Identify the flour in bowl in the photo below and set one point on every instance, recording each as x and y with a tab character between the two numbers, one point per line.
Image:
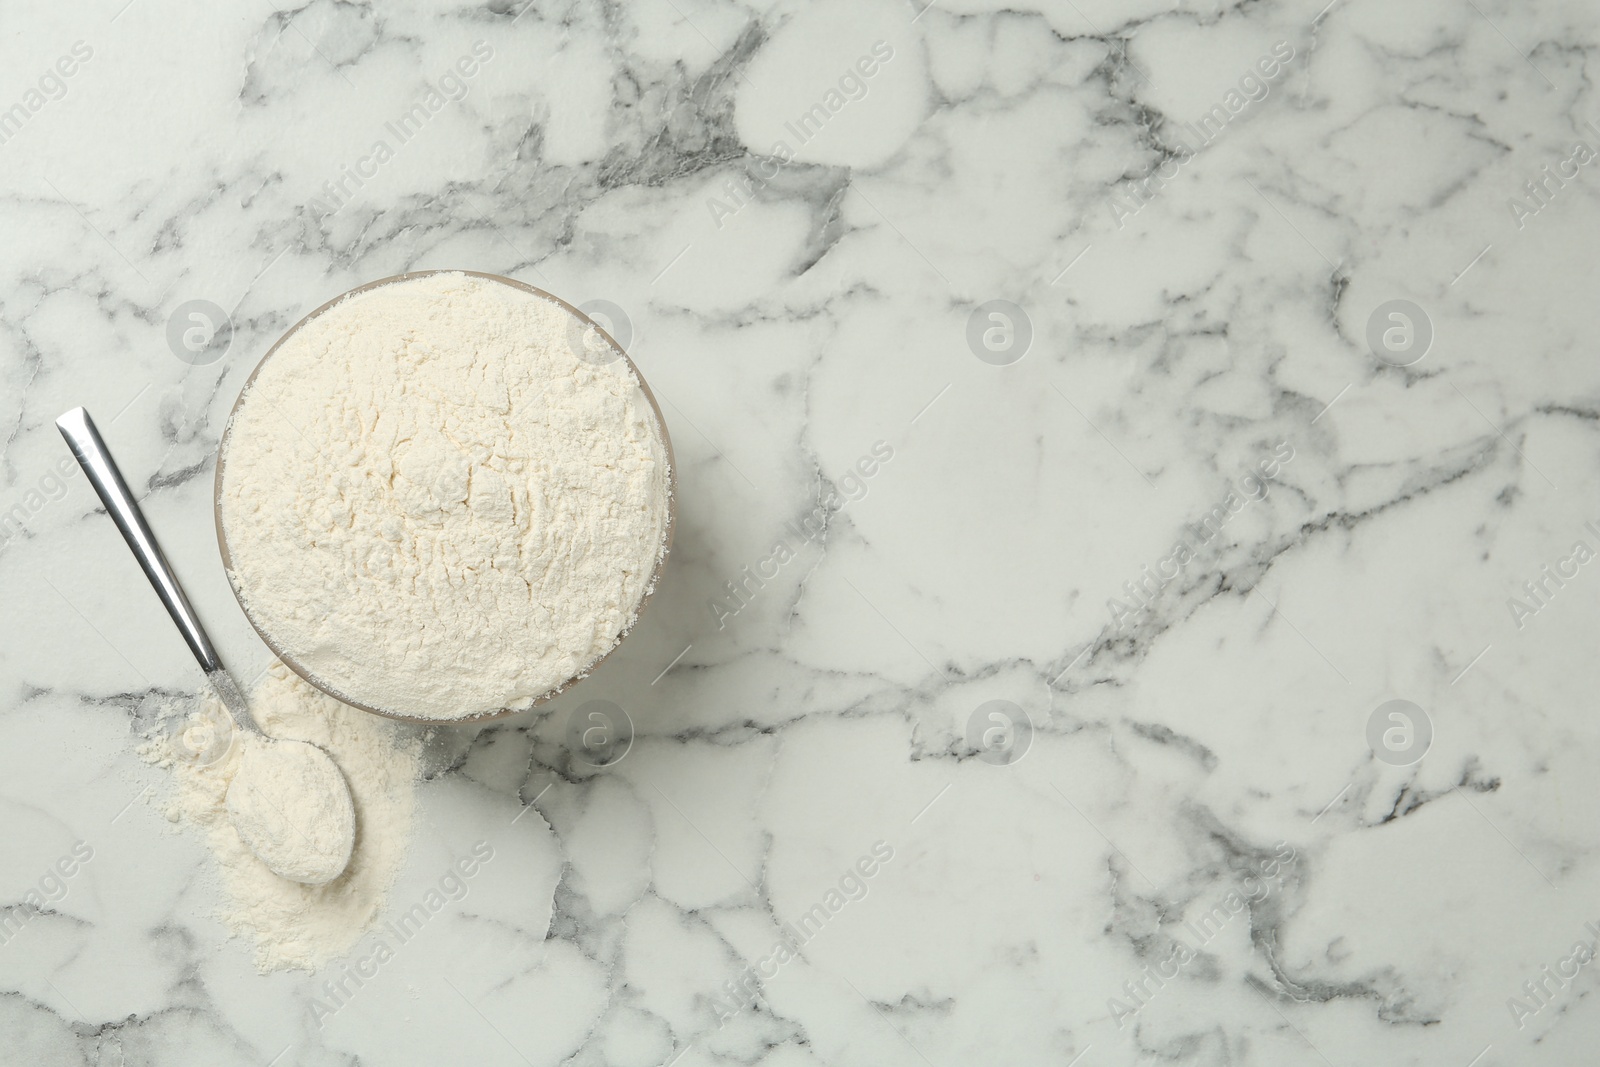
439	506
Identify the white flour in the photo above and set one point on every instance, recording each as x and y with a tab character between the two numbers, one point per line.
435	506
295	925
291	806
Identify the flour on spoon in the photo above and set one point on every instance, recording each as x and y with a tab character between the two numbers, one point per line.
291	807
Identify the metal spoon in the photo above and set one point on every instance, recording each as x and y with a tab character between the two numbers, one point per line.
311	855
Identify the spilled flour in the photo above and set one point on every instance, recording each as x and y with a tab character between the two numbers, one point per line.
294	925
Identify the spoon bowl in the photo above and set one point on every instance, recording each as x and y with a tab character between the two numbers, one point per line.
292	808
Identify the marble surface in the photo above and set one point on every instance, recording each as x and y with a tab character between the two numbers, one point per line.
1040	652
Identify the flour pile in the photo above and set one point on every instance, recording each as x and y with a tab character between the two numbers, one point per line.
440	506
295	925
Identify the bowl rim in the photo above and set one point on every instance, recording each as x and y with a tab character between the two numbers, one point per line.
333	691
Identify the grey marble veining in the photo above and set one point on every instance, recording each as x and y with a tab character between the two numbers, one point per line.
1135	582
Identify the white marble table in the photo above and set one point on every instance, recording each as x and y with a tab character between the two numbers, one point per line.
1288	411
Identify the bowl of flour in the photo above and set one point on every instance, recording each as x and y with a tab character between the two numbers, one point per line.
444	496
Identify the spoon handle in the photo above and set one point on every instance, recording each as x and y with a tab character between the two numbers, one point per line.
92	455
